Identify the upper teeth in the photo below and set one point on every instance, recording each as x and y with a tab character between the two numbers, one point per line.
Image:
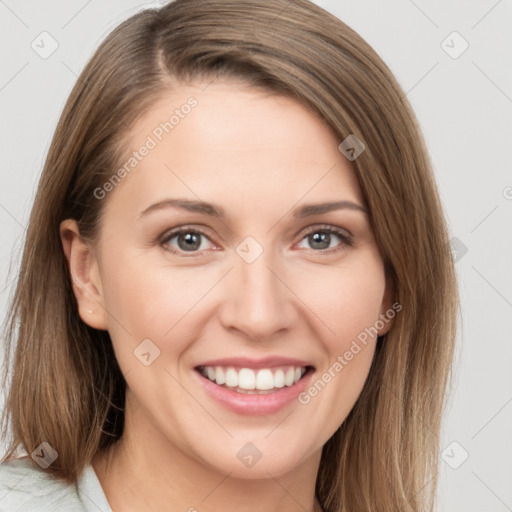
247	378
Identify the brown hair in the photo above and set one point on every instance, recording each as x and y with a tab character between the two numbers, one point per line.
67	388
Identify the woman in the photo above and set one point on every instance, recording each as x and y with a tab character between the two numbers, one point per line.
184	343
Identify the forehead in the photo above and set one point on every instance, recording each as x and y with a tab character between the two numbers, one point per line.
231	144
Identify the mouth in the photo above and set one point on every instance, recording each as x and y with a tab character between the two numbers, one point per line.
254	387
254	381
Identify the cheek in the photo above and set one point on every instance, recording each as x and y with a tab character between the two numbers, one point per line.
148	301
347	299
138	293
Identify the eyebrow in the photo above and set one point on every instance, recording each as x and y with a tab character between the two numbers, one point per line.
212	210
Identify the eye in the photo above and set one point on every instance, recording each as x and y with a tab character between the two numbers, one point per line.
321	237
188	240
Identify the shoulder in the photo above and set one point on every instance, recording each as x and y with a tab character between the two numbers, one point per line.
26	487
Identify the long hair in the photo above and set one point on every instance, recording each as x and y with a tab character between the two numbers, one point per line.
66	387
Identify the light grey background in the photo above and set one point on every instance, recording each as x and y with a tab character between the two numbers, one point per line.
464	106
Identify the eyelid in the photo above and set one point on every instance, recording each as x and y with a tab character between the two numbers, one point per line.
326	227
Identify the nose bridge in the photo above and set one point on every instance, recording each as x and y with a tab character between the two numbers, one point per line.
257	283
260	302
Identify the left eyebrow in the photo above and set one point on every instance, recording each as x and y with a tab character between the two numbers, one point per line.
308	210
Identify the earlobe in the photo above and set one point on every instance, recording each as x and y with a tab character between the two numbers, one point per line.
84	275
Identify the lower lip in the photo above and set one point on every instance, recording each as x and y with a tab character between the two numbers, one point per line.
258	405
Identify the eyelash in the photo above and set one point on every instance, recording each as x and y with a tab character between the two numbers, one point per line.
346	240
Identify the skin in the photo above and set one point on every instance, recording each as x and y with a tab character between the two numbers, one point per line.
258	155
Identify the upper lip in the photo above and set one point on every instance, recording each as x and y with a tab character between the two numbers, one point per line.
247	362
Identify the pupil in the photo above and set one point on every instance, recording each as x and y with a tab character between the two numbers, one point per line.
192	241
322	238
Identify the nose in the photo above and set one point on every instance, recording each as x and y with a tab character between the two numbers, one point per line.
258	301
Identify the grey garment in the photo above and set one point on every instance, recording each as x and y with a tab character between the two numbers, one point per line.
26	487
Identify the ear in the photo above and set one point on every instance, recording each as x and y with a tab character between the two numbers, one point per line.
84	274
389	308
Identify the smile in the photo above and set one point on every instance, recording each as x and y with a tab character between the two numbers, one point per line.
254	386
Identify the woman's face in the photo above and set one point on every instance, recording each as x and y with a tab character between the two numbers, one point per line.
258	288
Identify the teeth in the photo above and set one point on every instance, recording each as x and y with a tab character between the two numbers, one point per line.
279	379
289	376
231	377
265	380
247	380
219	376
